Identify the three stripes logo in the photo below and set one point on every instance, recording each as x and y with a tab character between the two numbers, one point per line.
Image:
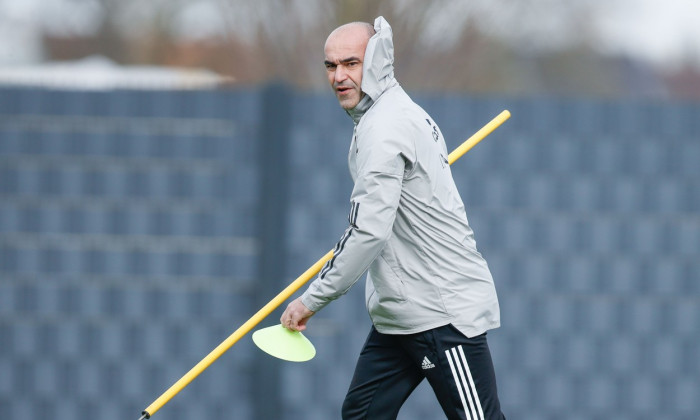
352	219
465	383
352	216
427	364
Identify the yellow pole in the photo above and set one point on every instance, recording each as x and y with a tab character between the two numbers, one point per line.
478	136
291	289
237	335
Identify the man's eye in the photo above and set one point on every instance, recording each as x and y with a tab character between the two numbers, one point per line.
352	64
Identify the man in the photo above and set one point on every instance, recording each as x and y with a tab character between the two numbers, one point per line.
429	292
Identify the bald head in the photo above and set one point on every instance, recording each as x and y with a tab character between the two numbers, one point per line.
357	30
345	53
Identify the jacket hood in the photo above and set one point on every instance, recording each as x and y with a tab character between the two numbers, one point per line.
378	66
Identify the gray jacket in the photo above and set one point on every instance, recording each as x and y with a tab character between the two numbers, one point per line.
407	225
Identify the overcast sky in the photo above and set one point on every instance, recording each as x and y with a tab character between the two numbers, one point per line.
664	31
661	30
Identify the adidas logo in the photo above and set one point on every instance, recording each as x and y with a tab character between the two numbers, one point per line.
427	364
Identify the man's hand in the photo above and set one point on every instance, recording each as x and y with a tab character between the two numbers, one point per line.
296	315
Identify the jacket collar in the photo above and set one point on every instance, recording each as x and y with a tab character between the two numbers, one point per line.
360	109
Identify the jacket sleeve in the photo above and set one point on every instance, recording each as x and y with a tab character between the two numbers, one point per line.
374	201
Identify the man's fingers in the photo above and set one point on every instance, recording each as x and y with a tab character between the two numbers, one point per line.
294	325
287	320
301	325
295	316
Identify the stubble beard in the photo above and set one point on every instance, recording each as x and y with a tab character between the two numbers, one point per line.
349	100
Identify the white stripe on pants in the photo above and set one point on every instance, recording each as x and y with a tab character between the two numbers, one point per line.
465	383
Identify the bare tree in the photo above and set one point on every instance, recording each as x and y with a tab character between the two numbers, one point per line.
449	45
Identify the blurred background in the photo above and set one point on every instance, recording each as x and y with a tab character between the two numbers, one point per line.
168	166
619	48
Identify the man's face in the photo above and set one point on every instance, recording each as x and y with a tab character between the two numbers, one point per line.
345	51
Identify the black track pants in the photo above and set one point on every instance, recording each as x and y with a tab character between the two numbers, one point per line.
390	367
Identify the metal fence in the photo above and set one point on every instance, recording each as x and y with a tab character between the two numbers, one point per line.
139	229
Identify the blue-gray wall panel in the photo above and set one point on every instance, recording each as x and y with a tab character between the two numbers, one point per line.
128	251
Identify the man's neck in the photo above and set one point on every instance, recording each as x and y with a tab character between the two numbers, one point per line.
360	109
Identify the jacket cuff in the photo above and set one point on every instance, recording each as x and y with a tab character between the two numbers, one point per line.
311	302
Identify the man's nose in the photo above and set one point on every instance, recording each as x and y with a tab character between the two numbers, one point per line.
340	74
